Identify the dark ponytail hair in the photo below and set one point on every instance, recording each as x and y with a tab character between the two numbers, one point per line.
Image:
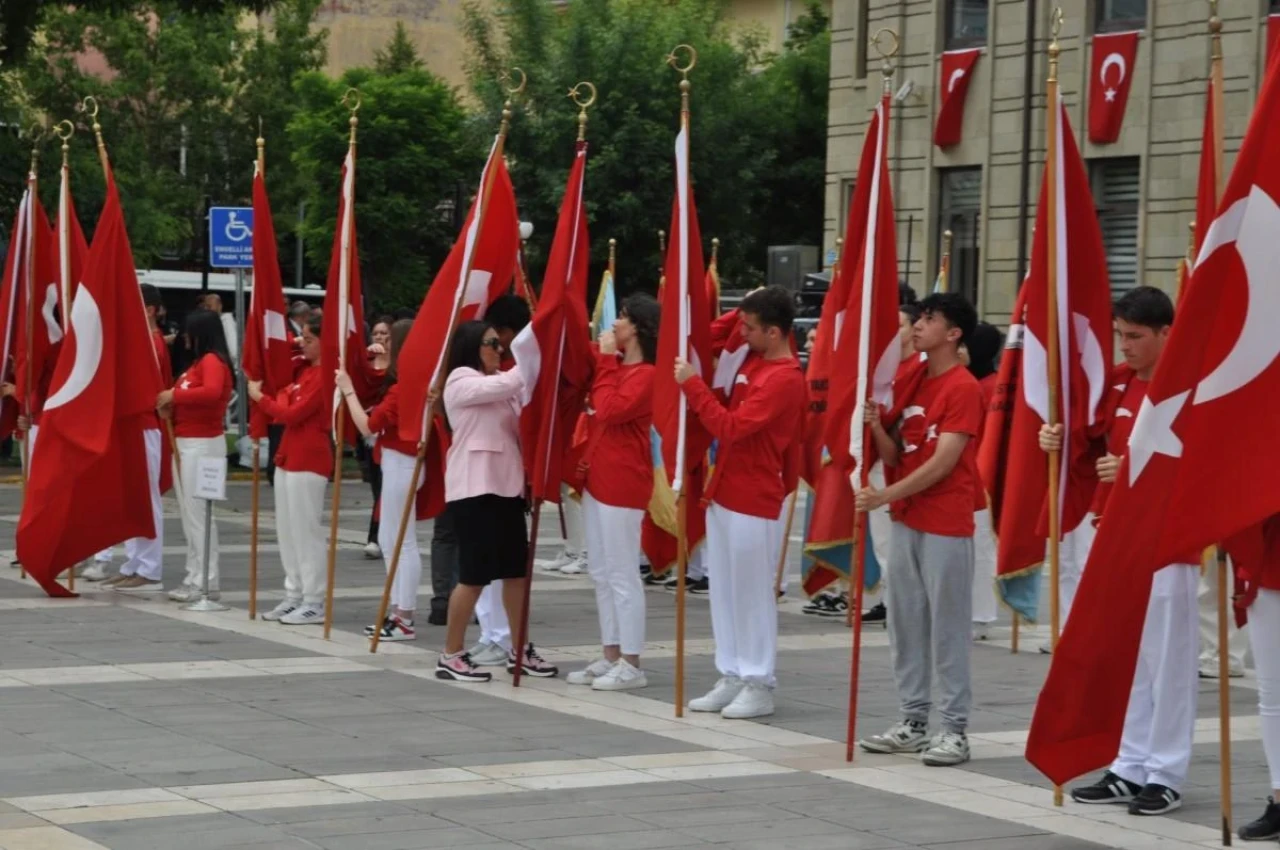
645	314
399	333
206	336
464	350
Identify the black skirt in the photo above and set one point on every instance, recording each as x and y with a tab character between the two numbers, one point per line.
493	542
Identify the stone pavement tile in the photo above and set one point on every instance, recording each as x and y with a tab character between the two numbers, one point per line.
501	757
910	828
195	832
194	774
366	825
329	814
44	838
847	841
646	840
19	820
417	840
600	826
788	830
723	812
1025	842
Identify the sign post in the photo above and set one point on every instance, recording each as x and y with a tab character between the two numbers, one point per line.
211	485
231	247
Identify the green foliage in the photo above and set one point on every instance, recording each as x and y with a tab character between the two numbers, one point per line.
399	54
750	150
412	150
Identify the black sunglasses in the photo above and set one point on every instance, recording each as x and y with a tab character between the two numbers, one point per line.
494	343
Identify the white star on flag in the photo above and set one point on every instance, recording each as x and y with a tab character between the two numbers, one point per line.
1110	94
1153	433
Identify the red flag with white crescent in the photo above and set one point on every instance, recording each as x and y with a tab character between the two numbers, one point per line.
1220	365
1110	78
342	343
957	70
268	356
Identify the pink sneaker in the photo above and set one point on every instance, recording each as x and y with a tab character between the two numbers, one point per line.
534	664
460	669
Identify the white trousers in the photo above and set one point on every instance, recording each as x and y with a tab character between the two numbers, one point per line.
300	533
145	555
397	478
1264	634
613	559
1160	721
495	628
784	541
1237	639
742	555
984	568
1073	553
190	450
697	568
575	542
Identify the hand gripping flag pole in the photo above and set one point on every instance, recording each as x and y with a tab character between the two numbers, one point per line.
486	191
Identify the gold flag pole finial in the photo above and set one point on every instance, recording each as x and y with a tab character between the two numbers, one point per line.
715	251
64	130
1055	50
37	133
947	237
673	60
613	256
262	147
512	93
576	96
90	107
1215	29
887	44
351	100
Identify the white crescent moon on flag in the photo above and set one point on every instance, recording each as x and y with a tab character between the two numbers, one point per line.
86	322
1118	61
1252	223
955	77
46	312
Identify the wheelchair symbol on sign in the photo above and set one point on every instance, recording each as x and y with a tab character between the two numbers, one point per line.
237	231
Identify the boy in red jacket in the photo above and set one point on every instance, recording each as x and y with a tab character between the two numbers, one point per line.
757	465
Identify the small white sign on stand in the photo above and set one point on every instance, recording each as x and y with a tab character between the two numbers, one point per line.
211	485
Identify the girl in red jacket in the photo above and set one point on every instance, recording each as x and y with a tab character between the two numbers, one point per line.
198	405
304	462
619	482
396	458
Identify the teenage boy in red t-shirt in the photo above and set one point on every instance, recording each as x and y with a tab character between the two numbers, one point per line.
1159	726
930	598
757	465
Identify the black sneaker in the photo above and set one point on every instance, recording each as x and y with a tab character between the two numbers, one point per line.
438	618
672	584
877	614
460	669
701	587
835	606
1266	827
534	664
386	624
817	603
1109	789
1155	799
654	580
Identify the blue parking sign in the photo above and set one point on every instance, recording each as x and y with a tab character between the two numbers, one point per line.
231	237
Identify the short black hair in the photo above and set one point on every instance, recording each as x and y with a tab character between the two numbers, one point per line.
774	306
984	347
508	312
906	295
205	334
1146	306
150	295
645	313
910	309
464	350
384	319
955	308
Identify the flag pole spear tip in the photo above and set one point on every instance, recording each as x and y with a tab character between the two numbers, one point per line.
37	133
887	44
715	251
1054	48
576	96
512	92
351	100
1215	27
261	143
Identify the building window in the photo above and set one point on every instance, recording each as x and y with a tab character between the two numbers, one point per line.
966	22
862	40
1119	15
1116	187
959	211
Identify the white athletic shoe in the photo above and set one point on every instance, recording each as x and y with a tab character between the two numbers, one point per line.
719	697
593	671
947	749
186	593
94	571
287	606
565	557
754	700
371	551
574	567
621	677
905	736
304	615
488	655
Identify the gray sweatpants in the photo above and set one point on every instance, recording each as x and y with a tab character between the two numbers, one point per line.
930	610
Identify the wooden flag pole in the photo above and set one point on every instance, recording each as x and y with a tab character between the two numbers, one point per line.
1224	690
682	503
351	99
944	265
257	474
28	285
1052	123
786	540
410	502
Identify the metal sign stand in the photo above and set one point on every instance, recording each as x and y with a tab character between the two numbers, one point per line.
211	485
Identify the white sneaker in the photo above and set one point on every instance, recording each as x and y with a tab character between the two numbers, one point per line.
186	593
304	615
947	749
565	557
725	692
905	736
488	655
979	631
372	551
621	677
574	567
754	700
287	606
95	571
594	671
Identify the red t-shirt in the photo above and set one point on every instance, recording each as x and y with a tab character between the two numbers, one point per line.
1126	400
384	423
303	410
200	398
758	459
987	386
619	461
162	357
950	403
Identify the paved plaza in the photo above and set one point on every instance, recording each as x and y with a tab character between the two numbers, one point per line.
127	723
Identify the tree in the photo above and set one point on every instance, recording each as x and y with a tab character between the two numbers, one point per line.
399	54
739	119
412	148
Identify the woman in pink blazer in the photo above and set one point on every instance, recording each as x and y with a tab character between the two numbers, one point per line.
484	486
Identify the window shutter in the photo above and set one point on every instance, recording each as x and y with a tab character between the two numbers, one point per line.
1118	185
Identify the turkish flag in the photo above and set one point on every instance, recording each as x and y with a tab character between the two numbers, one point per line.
268	356
1273	38
477	270
1220	370
1110	79
43	341
554	349
863	338
13	300
88	485
957	69
342	331
1014	470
